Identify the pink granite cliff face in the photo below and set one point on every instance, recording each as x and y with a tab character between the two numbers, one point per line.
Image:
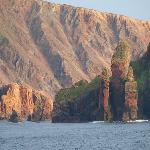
24	103
50	47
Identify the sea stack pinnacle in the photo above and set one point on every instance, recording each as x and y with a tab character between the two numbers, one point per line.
131	96
118	95
119	67
104	97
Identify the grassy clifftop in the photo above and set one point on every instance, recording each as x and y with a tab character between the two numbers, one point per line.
78	103
77	90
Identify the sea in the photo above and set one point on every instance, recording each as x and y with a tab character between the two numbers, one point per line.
75	136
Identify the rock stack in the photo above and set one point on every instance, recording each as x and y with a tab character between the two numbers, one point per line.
121	90
131	97
104	95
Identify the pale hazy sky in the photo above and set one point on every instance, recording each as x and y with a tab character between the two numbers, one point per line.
134	8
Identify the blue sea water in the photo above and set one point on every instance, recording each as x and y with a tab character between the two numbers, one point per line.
74	136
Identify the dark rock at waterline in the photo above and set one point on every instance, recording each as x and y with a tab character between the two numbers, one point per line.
15	117
81	109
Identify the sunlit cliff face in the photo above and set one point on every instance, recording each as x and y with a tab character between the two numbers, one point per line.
53	46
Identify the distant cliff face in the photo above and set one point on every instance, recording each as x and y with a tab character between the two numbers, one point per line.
50	46
19	102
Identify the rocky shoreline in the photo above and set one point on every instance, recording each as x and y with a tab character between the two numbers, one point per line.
19	102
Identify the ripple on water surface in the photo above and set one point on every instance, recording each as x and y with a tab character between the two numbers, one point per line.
77	136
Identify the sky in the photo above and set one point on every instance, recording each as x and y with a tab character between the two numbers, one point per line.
139	9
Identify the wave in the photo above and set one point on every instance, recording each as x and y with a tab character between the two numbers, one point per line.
138	121
98	122
131	121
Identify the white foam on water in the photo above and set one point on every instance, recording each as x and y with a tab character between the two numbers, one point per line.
131	121
98	122
139	121
82	136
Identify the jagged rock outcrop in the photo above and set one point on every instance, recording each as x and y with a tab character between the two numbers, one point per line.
118	94
15	117
18	103
131	98
50	47
119	68
104	96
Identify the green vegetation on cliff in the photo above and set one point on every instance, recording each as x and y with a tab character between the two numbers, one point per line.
77	90
78	103
142	74
122	52
142	70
